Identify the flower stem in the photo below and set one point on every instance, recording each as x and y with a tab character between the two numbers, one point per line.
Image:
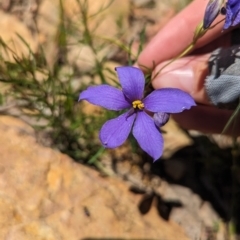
94	158
185	52
199	32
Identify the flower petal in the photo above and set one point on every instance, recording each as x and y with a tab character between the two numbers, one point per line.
236	17
115	131
168	100
148	136
132	81
211	12
229	16
105	96
160	118
232	13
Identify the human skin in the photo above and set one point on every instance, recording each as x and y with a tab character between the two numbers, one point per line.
188	73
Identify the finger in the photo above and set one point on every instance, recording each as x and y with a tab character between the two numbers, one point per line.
178	34
207	119
187	73
223	41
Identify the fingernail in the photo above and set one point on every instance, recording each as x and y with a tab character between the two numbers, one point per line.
179	74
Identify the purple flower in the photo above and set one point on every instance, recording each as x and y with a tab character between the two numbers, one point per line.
160	118
232	13
211	12
115	131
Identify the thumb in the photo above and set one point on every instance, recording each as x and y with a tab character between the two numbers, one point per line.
187	74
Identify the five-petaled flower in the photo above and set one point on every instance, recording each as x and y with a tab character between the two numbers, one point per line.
232	13
115	131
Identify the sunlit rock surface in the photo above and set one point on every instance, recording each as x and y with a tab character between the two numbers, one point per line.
46	195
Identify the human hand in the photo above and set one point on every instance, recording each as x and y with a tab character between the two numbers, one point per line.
189	73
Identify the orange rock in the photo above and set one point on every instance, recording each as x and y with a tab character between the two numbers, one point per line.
46	195
11	29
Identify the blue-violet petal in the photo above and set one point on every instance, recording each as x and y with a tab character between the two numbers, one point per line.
229	16
160	118
147	135
232	13
169	100
211	12
115	131
105	96
132	81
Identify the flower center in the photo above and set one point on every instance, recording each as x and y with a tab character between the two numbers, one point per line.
138	104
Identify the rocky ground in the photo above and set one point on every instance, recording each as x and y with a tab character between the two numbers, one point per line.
46	195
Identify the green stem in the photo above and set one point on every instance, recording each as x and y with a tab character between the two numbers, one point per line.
100	167
117	43
233	117
94	158
185	52
199	32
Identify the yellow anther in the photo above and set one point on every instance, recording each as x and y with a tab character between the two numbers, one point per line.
138	104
